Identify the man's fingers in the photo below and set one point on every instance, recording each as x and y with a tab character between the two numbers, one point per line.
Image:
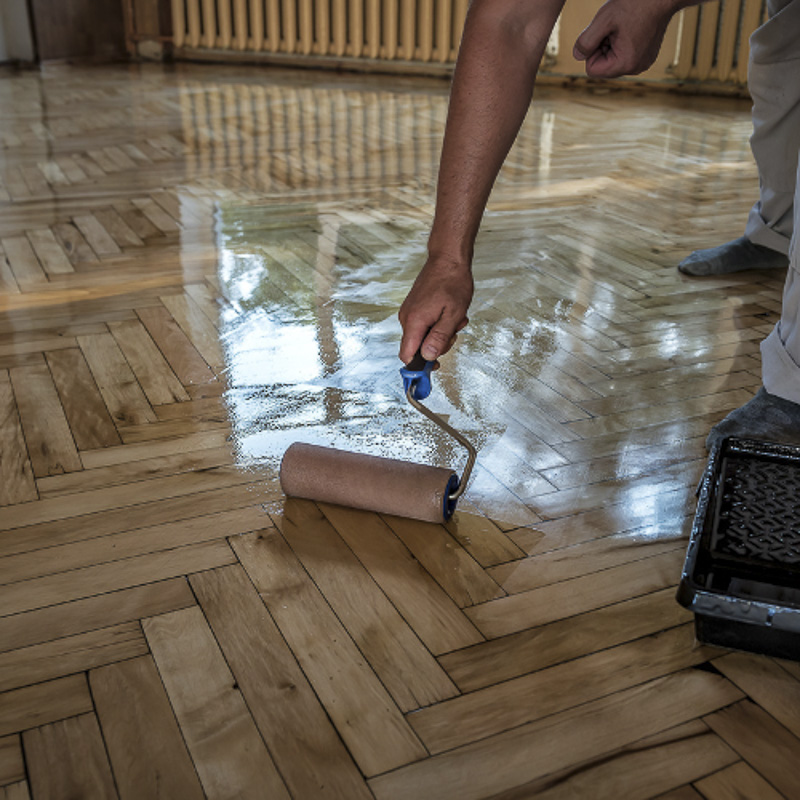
590	40
604	64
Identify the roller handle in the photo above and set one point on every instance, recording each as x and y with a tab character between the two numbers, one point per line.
417	376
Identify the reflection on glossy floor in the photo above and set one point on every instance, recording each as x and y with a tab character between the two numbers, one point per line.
201	265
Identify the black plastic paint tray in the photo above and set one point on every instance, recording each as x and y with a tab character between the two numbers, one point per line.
741	577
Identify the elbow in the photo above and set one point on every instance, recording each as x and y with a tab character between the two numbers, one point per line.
523	25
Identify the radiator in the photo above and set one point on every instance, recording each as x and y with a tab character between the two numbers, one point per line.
392	30
712	42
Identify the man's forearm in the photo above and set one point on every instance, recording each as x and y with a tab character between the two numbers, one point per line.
502	46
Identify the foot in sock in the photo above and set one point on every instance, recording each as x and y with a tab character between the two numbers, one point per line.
735	256
766	417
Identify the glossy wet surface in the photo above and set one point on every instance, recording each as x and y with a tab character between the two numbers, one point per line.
573	312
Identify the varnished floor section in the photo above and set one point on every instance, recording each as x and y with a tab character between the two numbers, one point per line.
201	265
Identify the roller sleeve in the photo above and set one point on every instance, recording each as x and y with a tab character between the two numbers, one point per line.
372	483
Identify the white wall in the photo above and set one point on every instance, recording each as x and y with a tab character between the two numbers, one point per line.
16	42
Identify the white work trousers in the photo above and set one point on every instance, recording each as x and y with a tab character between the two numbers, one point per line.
774	221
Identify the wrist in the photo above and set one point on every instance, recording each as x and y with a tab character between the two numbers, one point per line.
451	259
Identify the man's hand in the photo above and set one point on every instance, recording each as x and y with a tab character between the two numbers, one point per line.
435	309
625	36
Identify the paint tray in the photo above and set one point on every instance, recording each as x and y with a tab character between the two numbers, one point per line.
741	577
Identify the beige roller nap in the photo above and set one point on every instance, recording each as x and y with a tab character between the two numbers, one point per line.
372	483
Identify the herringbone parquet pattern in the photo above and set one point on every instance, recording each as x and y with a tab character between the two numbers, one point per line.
200	265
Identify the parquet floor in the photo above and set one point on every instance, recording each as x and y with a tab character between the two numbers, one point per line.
202	264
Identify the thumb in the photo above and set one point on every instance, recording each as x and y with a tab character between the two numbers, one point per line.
590	39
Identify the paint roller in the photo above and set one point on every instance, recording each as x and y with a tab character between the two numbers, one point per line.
373	483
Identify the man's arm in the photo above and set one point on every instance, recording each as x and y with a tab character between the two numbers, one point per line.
500	51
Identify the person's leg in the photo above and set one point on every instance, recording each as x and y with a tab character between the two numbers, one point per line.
774	413
774	82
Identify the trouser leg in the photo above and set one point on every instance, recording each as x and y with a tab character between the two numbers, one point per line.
774	81
780	351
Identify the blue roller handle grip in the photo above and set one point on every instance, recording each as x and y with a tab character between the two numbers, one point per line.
417	376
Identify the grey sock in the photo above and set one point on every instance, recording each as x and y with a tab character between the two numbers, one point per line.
766	417
735	256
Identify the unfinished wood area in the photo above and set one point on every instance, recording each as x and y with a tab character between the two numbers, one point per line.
200	265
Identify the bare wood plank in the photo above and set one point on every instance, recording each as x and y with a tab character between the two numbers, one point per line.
532	751
93	613
89	581
539	648
682	793
51	447
170	428
119	230
231	759
449	564
404	666
208	409
135	713
21	346
205	300
435	618
121	392
367	719
72	172
284	706
134	494
497	708
156	378
15	791
156	214
197	326
136	220
482	539
26	268
68	758
116	546
577	595
89	166
154	449
12	360
128	472
120	157
85	410
103	160
63	529
52	258
639	771
737	781
766	683
188	364
32	706
8	282
12	765
761	741
96	235
17	188
16	474
578	560
70	654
